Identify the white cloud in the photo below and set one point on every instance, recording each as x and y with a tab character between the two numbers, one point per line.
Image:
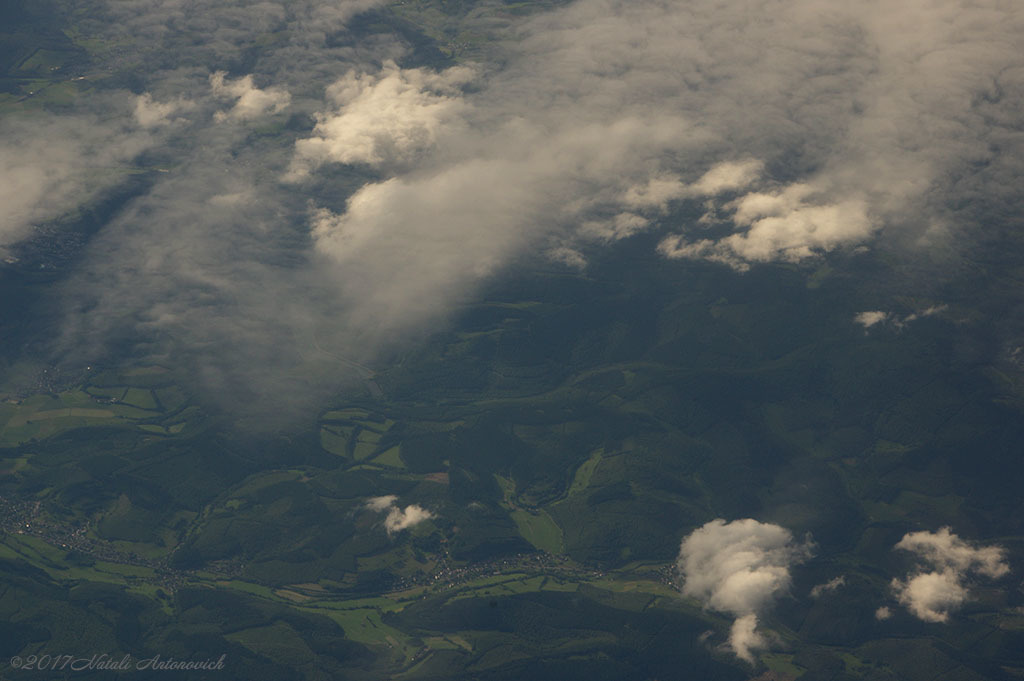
869	318
890	113
883	613
740	568
250	101
381	504
790	225
383	117
494	184
943	549
829	586
931	595
657	192
398	519
745	639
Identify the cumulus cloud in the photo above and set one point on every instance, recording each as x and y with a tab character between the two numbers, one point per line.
250	101
382	117
869	318
398	518
940	586
931	596
740	568
401	518
790	225
883	613
795	229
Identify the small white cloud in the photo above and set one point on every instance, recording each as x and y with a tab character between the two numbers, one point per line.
400	519
381	504
946	550
883	613
869	318
657	192
931	595
827	587
740	568
251	102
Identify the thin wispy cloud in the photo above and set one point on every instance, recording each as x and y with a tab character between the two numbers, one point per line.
54	163
834	584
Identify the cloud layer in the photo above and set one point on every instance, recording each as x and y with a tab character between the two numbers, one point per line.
940	586
275	248
740	568
800	134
